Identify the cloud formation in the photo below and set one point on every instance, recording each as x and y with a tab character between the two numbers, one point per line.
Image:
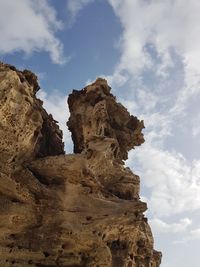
30	26
154	30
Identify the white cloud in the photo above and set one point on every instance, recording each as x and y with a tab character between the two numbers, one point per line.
174	183
159	226
56	104
154	34
30	26
75	6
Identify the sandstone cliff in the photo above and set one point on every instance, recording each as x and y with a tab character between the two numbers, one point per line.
81	209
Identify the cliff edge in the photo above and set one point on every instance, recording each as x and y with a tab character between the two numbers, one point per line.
75	210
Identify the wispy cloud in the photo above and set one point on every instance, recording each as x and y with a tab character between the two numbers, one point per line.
158	37
75	6
30	26
145	43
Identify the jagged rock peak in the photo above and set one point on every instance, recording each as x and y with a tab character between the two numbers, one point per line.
95	114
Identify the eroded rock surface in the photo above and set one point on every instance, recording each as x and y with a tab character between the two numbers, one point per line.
72	210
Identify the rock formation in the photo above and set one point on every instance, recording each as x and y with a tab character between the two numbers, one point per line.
81	209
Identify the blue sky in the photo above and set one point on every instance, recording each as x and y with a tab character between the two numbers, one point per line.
149	52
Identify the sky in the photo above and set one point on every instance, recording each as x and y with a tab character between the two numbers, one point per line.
149	51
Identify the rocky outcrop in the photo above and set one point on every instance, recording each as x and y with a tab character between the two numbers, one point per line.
81	209
26	130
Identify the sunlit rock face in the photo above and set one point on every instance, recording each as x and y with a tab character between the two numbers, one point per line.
81	209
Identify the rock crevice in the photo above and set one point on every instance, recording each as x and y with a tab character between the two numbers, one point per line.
81	209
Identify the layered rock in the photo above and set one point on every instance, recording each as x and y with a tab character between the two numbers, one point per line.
62	210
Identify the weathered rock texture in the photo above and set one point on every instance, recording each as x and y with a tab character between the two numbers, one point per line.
62	210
